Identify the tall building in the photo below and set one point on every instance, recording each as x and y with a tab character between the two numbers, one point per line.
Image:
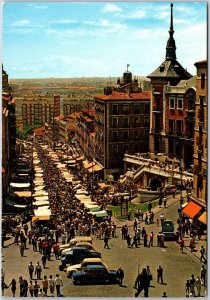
170	72
8	134
121	123
200	135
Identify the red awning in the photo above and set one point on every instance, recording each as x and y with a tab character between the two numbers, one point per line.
191	209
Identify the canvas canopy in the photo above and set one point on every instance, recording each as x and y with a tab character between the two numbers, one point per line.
19	185
23	193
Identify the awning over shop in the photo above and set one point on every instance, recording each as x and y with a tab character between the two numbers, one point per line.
19	185
20	205
95	168
202	218
40	218
90	165
80	158
191	209
23	193
39	187
41	198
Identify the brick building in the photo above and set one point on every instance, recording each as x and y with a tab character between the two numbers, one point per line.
121	123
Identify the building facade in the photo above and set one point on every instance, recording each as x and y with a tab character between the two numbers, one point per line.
170	72
121	123
200	132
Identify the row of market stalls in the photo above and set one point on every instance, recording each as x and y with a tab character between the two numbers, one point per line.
42	203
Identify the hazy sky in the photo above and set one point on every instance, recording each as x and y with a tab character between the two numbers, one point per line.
74	39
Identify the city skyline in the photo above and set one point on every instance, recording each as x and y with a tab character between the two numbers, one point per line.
66	39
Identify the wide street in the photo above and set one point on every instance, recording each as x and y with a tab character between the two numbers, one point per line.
177	267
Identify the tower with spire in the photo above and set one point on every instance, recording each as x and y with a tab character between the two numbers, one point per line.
169	72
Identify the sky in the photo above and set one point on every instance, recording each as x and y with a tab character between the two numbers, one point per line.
85	39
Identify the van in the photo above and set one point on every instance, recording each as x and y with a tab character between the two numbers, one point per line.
168	230
78	239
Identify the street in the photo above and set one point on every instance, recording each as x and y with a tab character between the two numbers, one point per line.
177	267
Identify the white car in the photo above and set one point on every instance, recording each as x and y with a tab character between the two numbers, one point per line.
86	261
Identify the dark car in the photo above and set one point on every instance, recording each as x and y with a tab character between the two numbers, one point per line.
76	256
95	274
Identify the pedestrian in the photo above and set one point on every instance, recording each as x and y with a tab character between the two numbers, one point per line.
151	238
182	245
145	239
13	287
21	283
31	270
38	270
45	285
36	287
58	284
149	273
142	283
146	219
25	288
164	295
51	285
106	239
187	288
158	223
31	288
3	286
192	286
203	275
56	248
192	244
198	285
22	248
128	240
164	204
120	273
160	275
63	239
134	241
138	236
202	252
44	260
162	219
149	206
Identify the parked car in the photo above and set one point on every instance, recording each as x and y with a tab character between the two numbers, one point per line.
82	244
76	255
86	262
95	274
73	242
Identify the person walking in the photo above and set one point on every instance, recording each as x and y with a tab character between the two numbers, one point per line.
51	285
36	287
45	285
31	288
151	239
58	284
22	248
187	288
192	285
13	287
106	239
134	241
203	275
128	240
38	270
160	275
120	273
44	260
202	252
142	283
198	285
182	245
31	270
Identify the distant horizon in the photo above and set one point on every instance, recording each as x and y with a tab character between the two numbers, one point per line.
98	39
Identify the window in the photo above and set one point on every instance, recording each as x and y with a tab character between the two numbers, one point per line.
136	148
114	149
180	103
146	120
114	109
114	122
171	126
136	134
125	122
202	80
172	103
125	148
125	135
146	108
125	109
136	109
114	136
179	127
136	121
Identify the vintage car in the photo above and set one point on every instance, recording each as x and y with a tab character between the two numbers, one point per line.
82	244
76	255
73	242
86	261
95	274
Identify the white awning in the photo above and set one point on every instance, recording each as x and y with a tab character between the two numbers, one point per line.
42	203
23	193
19	185
39	187
41	198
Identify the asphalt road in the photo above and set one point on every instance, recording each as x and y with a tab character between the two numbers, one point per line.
177	267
